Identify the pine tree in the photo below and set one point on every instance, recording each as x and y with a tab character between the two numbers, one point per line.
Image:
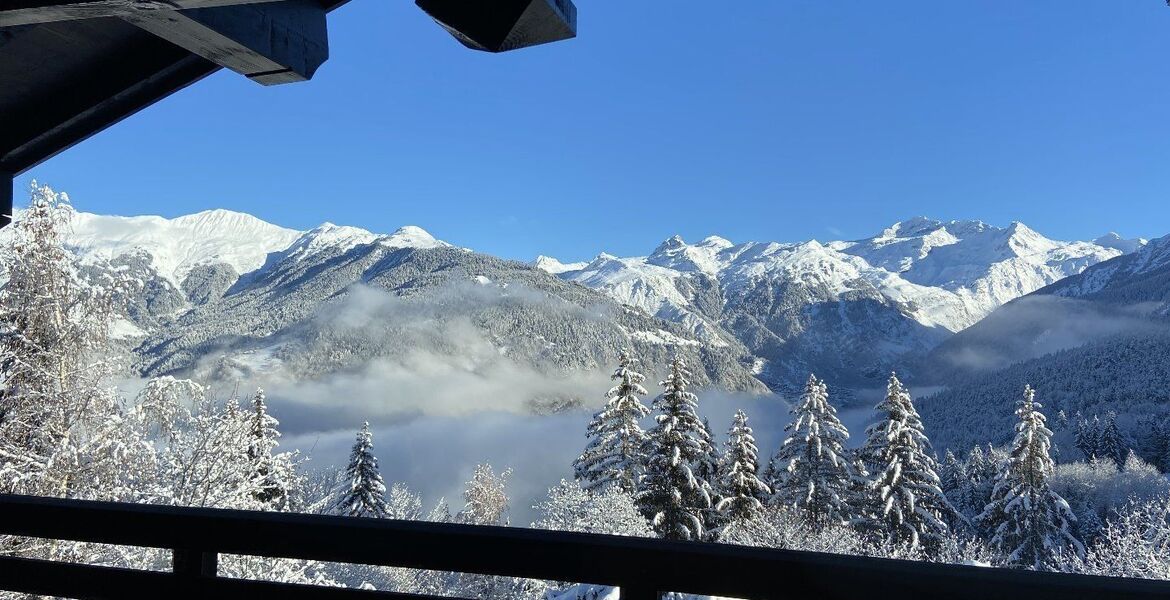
1110	443
909	507
710	464
615	456
1061	420
1151	441
670	494
956	486
812	471
982	473
363	493
742	493
1088	438
710	471
263	441
1030	524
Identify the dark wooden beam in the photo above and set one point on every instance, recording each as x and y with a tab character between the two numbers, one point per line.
643	568
504	25
28	12
274	43
5	198
52	114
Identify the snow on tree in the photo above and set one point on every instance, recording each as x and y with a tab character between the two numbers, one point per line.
273	472
1031	525
615	454
1110	443
710	470
982	471
710	465
1061	420
670	493
957	487
742	493
486	497
58	409
487	504
403	504
363	493
813	473
909	508
1135	543
1151	434
1099	490
1088	438
609	512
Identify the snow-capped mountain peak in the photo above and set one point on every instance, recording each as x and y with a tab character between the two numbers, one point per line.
703	257
901	291
411	236
1115	241
175	246
336	238
551	265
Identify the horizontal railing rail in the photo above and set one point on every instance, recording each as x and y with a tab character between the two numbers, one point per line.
642	568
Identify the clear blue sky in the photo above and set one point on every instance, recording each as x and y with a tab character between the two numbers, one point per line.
778	119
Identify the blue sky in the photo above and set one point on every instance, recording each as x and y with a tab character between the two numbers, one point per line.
779	120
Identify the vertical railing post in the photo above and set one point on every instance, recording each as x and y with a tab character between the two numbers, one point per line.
192	567
638	592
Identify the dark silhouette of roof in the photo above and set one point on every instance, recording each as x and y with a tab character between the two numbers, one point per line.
71	68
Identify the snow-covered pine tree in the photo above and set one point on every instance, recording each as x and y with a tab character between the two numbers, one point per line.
710	471
363	492
1030	524
615	454
812	471
1151	436
711	463
1081	437
909	507
1088	438
956	486
268	473
1061	420
1110	443
742	494
981	472
670	494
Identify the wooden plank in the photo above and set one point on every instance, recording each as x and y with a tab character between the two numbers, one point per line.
645	565
68	580
6	193
271	44
28	12
72	105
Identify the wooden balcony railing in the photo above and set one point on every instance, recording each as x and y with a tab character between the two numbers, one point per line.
642	568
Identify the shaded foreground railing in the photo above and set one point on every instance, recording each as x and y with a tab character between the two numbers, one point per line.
643	568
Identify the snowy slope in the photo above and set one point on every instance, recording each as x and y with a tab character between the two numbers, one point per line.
862	306
549	264
224	294
178	245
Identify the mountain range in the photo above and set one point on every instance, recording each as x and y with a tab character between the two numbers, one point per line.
850	311
226	296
